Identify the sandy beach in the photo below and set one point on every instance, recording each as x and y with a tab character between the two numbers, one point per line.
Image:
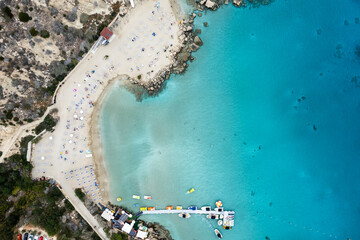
142	46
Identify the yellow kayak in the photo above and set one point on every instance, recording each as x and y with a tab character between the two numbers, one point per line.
190	191
143	209
118	199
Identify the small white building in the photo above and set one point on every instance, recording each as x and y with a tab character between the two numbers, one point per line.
107	214
141	234
127	227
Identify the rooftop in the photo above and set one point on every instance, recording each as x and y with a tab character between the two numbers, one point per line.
106	33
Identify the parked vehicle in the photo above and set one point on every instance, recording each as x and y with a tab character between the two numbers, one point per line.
41	238
26	235
36	237
19	236
31	237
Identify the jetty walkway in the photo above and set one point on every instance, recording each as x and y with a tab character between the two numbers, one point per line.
174	211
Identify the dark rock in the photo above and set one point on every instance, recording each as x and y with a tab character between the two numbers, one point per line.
206	24
198	41
1	93
71	16
183	56
239	3
57	27
194	47
54	11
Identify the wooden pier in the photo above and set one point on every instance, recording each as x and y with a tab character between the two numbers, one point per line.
199	211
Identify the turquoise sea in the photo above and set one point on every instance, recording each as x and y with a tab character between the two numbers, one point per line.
266	119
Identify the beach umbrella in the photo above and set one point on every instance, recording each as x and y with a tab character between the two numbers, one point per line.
70	141
81	118
75	116
81	111
51	138
71	135
42	158
218	203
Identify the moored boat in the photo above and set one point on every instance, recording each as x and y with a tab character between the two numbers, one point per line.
147	197
135	196
169	208
220	222
219	204
191	190
212	216
151	208
206	208
118	199
143	209
218	234
184	215
178	207
192	208
226	227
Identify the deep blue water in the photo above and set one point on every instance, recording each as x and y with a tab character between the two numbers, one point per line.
267	119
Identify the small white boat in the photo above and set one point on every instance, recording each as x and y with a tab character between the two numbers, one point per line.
218	234
212	216
135	196
220	222
206	208
147	197
184	215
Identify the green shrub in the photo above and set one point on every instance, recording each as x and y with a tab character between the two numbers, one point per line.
48	123
24	17
44	34
68	205
80	194
33	32
7	12
1	58
9	115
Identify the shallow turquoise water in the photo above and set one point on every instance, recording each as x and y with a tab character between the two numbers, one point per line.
265	119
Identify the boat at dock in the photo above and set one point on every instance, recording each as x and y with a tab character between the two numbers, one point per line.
184	215
143	209
135	196
151	208
212	216
220	222
218	234
147	197
192	208
206	208
178	207
169	208
226	227
118	199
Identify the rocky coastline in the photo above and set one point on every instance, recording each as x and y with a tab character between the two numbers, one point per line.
190	41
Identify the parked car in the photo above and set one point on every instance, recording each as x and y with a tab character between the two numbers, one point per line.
26	235
36	237
41	238
31	237
19	236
